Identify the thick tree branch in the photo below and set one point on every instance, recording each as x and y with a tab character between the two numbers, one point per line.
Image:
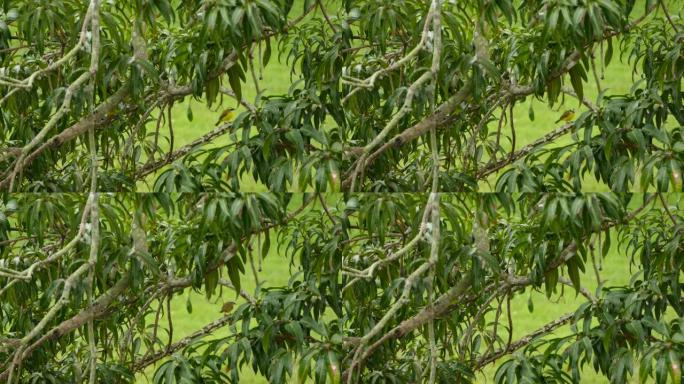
99	308
150	359
436	119
101	116
150	168
495	166
524	341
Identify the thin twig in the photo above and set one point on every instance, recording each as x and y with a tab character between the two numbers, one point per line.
170	320
325	15
171	134
667	209
325	208
512	104
667	15
550	327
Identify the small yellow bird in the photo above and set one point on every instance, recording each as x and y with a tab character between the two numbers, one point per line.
567	116
226	116
227	306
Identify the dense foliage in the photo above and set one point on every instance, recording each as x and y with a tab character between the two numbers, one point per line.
397	191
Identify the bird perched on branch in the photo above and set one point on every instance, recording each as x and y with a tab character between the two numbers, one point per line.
228	307
226	116
567	116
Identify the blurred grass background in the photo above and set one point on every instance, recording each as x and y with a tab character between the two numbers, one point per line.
276	80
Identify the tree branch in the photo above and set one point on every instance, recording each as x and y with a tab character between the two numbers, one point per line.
522	342
99	308
495	166
150	359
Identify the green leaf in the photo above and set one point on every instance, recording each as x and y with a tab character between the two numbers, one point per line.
678	147
234	273
576	80
608	56
530	112
573	273
489	67
265	245
267	52
234	80
321	368
188	304
189	112
210	22
210	283
553	19
550	281
212	90
295	329
530	304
